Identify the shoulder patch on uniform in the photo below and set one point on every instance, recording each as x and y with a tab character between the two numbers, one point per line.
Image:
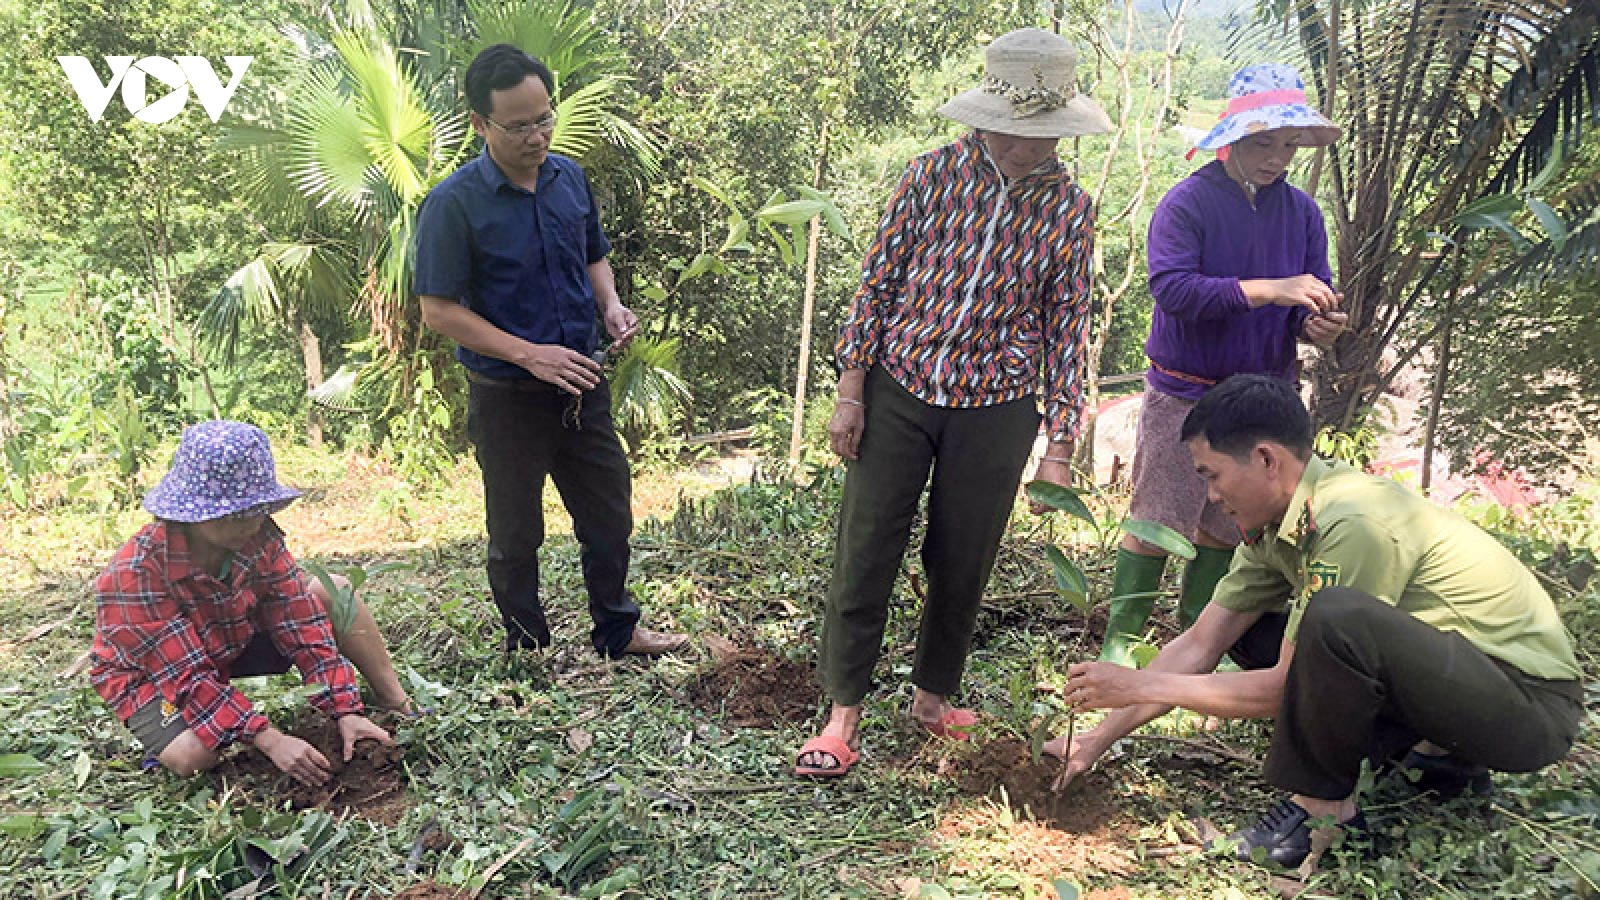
1321	575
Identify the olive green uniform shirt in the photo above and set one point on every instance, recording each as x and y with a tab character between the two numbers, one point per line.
1369	533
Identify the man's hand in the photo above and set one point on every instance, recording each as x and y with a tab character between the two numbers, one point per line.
356	728
849	422
621	324
1103	685
1308	291
1324	328
1086	750
294	756
566	369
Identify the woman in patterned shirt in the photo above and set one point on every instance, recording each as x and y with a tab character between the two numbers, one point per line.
974	299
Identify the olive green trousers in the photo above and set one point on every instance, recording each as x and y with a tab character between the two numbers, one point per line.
971	462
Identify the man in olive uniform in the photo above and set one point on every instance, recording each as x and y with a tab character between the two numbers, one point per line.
1368	621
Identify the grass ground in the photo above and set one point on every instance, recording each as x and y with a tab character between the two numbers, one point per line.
560	775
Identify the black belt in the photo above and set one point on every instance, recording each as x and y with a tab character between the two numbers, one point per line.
525	385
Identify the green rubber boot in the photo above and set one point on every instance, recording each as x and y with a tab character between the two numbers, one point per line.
1133	595
1200	579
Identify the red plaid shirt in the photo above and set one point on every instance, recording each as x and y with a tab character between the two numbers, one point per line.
166	629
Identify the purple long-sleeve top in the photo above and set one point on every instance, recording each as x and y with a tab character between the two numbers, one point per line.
1204	239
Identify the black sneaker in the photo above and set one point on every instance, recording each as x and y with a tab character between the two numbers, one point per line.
1284	835
1446	777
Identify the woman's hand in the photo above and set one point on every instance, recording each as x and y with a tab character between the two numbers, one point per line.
1324	328
1308	291
1055	472
356	728
849	422
294	756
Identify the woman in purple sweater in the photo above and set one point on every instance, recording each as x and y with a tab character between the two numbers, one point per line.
1239	272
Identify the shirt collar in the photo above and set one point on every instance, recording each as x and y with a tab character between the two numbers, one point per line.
174	543
494	178
1050	171
173	539
1216	174
1305	525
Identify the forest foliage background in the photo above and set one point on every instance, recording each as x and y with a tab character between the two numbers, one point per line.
257	268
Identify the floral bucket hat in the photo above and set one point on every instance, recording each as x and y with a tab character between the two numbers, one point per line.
1030	89
1264	97
221	469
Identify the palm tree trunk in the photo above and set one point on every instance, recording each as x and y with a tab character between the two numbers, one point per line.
311	355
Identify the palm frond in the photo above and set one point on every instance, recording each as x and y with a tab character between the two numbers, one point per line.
395	125
583	114
250	295
648	396
1559	84
563	37
327	159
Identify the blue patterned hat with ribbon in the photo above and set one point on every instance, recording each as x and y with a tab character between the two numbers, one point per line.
1265	97
221	469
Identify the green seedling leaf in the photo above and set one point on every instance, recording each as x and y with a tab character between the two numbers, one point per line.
81	767
1490	207
793	213
1070	582
1066	890
702	264
712	189
1059	497
1159	535
1550	222
21	826
738	231
1143	653
342	609
1552	165
14	764
554	860
933	892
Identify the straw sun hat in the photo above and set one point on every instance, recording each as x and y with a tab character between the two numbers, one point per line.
1029	90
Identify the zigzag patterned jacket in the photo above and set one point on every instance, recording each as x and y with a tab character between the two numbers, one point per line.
976	290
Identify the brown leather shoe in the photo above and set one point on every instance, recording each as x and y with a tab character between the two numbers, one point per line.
654	643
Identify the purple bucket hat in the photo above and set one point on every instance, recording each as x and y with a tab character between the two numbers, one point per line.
1264	97
221	469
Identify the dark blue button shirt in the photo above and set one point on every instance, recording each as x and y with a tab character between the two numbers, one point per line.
518	258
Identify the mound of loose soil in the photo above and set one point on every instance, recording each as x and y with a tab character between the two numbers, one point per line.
1082	807
371	784
755	688
430	890
1036	832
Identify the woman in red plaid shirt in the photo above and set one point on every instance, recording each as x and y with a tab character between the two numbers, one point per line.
209	592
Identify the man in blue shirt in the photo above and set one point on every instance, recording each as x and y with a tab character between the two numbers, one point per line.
511	264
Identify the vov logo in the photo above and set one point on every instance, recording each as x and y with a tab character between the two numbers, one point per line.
179	75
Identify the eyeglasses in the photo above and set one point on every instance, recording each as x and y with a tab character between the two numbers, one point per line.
544	124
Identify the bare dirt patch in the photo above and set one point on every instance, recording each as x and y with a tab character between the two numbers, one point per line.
753	687
1027	826
370	785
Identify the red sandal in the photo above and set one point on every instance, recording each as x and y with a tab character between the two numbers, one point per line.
843	754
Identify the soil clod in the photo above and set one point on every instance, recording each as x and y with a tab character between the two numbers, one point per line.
755	688
371	785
